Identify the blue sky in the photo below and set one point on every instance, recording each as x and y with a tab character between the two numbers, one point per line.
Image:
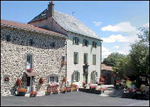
115	22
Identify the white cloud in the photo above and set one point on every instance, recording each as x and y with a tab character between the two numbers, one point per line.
116	47
115	38
105	52
97	23
121	27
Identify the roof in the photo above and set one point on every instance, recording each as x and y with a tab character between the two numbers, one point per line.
67	22
29	27
105	67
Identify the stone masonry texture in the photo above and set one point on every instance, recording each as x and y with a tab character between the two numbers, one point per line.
46	59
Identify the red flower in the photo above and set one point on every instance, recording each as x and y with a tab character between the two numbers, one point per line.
29	70
33	92
19	83
22	90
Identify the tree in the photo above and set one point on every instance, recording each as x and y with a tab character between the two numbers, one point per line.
137	62
139	52
143	34
140	58
123	66
112	59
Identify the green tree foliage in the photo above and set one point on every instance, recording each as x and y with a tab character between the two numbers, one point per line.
123	66
137	61
139	52
112	59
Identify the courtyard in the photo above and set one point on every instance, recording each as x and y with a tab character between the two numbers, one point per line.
71	99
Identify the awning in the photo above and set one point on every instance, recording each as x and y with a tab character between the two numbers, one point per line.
31	74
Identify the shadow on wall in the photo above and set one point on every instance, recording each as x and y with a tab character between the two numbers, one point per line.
26	38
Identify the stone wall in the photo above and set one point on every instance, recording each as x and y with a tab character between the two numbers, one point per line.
46	60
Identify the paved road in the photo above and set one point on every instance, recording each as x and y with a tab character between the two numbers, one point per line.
71	99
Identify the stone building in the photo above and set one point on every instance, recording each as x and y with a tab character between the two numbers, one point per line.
24	46
107	73
83	45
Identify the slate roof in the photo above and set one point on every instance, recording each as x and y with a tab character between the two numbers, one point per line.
29	27
67	22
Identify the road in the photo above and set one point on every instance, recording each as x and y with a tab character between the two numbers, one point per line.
71	99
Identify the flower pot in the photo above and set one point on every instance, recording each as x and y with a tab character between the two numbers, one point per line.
47	93
32	95
21	93
41	80
63	92
56	92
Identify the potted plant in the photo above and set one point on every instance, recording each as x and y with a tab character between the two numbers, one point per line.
73	87
21	91
84	84
18	83
29	70
55	91
41	81
33	94
62	90
68	89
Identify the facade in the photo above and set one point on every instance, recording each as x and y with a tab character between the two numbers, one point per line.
83	45
24	47
108	74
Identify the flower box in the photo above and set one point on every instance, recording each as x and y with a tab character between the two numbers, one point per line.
62	90
33	94
68	89
21	93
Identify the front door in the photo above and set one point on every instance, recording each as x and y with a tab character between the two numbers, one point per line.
29	84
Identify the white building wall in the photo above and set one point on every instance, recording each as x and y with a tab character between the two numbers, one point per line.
71	48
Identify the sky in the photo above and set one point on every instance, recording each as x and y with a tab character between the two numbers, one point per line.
115	22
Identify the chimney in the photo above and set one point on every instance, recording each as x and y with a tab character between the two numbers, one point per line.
50	11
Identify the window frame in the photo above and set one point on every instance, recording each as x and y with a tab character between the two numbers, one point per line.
94	44
93	74
52	44
85	42
76	76
76	61
31	43
29	62
8	37
94	59
55	79
75	40
86	58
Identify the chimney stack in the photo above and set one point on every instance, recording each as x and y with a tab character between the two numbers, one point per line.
50	11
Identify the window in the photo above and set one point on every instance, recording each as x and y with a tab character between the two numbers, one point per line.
52	44
8	38
94	44
75	76
52	78
93	77
31	42
29	61
76	58
75	40
85	42
85	58
94	59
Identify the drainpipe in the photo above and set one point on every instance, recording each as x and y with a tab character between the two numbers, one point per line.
100	55
66	61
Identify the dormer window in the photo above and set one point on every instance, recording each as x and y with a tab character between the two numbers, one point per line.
76	41
85	42
94	44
